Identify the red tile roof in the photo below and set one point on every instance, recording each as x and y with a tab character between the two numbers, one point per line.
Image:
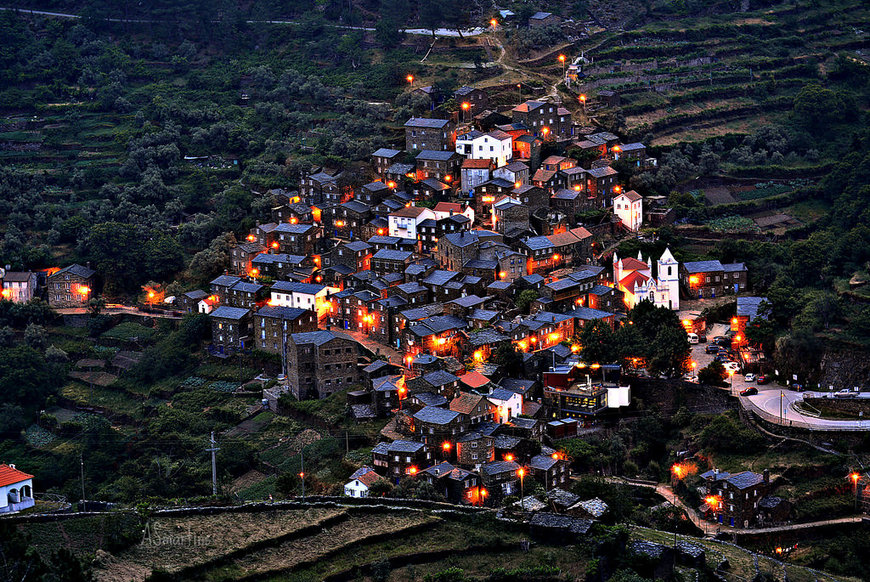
10	476
632	264
476	164
630	281
474	379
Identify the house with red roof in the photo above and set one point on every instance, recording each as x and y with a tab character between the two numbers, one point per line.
447	209
361	481
16	489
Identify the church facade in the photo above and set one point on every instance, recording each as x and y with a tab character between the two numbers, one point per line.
635	279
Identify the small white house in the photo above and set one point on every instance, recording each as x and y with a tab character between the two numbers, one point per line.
628	206
403	222
508	403
360	482
496	145
302	295
16	489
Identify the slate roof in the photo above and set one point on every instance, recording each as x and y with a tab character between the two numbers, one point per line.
356	206
440	277
404	446
501	394
465	403
226	312
518	385
496	467
436	415
536	243
385	153
294	287
439	378
392	255
542	462
602	172
430	399
702	266
748	306
425	122
319	337
436	155
745	479
587	313
630	147
79	271
246	287
437	324
285	313
507	442
594	507
288	228
224	280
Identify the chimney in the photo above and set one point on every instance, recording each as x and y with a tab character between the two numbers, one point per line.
767	475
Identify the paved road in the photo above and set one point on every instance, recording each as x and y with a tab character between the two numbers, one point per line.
710	529
417	31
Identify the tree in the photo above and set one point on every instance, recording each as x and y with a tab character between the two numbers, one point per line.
598	342
817	108
669	352
712	374
525	299
35	337
388	34
431	15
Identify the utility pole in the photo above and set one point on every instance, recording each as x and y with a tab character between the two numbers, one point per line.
213	450
82	462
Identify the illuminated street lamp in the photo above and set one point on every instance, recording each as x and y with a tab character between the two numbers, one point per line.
521	473
583	102
562	60
410	79
466	106
483	494
494	23
731	378
694	372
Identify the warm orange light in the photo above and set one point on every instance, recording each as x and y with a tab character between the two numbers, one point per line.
446	446
294	220
561	58
84	289
251	237
484	492
488	199
410	78
7	293
402	390
738	337
582	98
448	178
502	275
694	365
151	295
339	223
545	130
617	149
478	355
734	321
682	470
302	475
466	105
555	456
576	187
713	501
441	341
687	322
274	245
730	372
693	280
255	272
522	345
595	366
494	22
381	231
556	257
412	470
391	184
521	472
854	477
617	189
575	348
553	337
778	550
508	457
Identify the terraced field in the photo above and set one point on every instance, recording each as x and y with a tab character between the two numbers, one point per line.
690	79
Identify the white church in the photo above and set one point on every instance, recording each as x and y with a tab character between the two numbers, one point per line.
634	278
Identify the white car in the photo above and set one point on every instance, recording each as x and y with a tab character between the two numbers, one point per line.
732	366
749	378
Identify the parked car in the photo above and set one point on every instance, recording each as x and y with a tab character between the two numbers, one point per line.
702	337
693	338
762	379
711	349
844	393
751	391
749	378
733	366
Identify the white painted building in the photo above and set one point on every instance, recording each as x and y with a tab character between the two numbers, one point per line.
302	295
509	404
496	145
628	206
17	287
16	489
403	222
360	482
